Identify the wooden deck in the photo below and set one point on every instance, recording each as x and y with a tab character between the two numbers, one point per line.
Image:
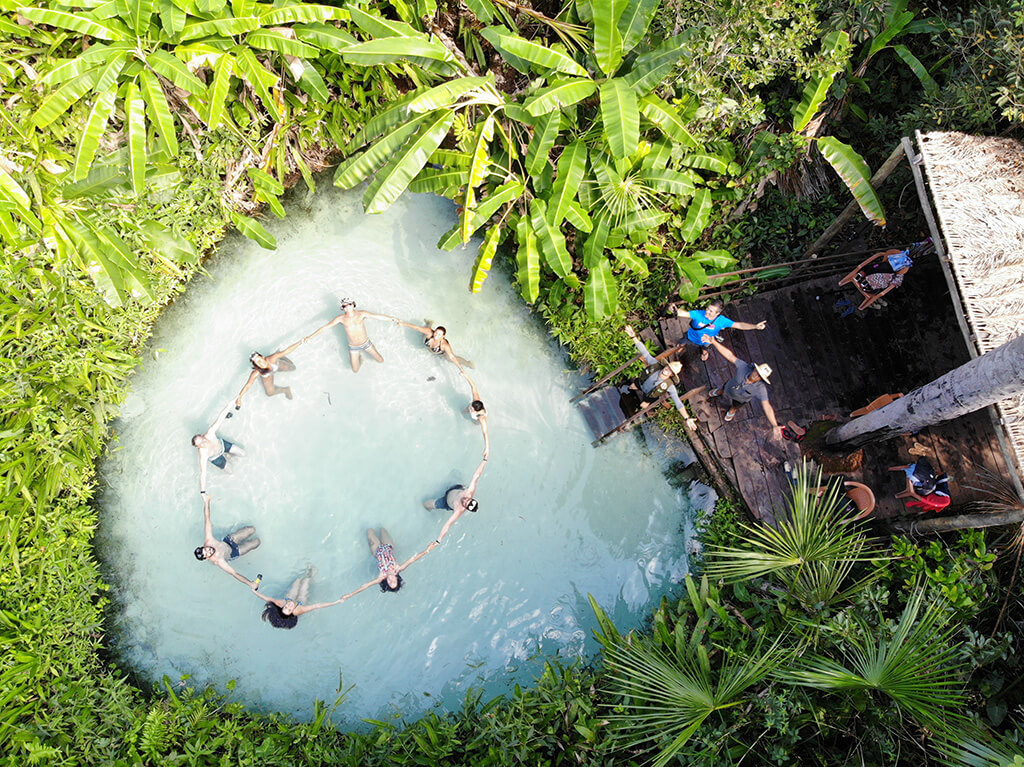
826	365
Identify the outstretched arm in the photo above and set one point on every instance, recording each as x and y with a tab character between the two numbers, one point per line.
487	440
285	351
769	411
234	574
416	557
750	326
264	597
421	328
476	477
253	375
640	346
203	459
208	539
364	587
302	609
211	433
322	328
448	524
673	393
375	316
722	349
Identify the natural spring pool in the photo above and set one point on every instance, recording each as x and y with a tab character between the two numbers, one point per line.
558	519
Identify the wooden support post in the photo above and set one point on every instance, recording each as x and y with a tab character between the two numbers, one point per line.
883	173
961	522
638	417
604	380
958	307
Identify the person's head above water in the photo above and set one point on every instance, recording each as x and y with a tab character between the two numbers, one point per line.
198	440
392	582
346	303
278	618
440	331
258	361
477	405
203	553
470	504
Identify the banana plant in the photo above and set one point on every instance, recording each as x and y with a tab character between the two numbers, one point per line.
577	170
141	72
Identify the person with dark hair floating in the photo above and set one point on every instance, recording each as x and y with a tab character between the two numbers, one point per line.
284	613
214	449
709	322
383	549
478	413
355	330
231	547
458	500
264	369
437	341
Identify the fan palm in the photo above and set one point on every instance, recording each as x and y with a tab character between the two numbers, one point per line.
915	666
812	550
671	693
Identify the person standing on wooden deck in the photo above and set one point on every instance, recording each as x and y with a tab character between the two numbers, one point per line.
748	383
660	380
707	323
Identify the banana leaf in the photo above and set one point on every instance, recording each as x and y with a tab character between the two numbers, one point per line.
527	261
855	174
620	116
482	267
601	291
393	179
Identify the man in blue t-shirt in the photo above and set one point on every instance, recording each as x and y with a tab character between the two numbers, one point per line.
706	324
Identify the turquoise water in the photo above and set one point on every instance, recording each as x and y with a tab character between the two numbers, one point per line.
557	519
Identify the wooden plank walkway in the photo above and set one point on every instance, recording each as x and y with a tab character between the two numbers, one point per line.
827	365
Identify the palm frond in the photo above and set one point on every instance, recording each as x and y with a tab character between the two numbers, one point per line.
671	693
812	550
916	667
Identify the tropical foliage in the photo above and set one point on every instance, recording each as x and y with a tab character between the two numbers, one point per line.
752	670
132	134
574	171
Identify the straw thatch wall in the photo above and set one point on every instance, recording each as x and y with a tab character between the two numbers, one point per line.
977	184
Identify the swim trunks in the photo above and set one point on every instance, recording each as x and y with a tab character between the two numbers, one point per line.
221	460
442	502
235	553
361	347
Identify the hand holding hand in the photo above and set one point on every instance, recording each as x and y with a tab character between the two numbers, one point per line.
433	545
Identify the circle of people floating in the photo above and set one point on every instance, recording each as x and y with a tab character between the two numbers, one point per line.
284	612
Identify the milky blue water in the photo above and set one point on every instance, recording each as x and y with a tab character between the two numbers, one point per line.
558	519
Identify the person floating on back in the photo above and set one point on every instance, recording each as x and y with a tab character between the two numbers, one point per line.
284	613
478	413
383	549
749	382
214	449
355	330
221	551
458	500
437	341
264	369
708	323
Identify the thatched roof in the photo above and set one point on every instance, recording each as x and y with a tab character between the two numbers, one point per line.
977	184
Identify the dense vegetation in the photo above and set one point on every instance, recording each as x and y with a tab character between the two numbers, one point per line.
133	132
